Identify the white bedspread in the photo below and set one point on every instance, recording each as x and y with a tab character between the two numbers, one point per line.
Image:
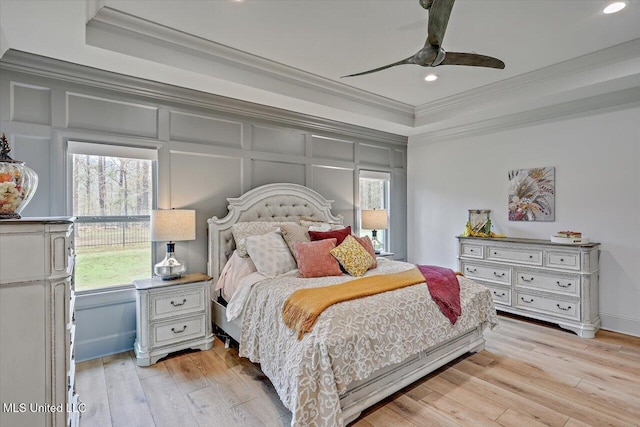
350	340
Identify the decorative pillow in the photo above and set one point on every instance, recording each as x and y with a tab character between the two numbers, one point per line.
270	254
234	270
340	235
242	230
368	245
353	257
322	225
294	233
315	259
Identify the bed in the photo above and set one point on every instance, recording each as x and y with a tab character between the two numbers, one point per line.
359	351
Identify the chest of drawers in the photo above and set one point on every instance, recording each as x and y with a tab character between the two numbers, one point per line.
37	323
172	315
536	278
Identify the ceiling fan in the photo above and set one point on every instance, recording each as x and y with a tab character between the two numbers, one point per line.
432	54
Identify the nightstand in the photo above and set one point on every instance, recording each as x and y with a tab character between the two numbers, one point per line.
388	255
172	315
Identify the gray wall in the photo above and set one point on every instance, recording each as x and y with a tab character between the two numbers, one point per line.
209	148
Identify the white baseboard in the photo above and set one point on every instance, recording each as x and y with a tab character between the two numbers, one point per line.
624	325
105	346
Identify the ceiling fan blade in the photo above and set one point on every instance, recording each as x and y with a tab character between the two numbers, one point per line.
408	60
438	20
472	60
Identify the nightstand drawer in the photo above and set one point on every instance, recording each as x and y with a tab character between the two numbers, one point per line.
177	330
521	256
176	303
555	283
548	304
489	273
563	260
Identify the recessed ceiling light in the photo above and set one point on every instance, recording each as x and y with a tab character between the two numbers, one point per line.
614	7
431	77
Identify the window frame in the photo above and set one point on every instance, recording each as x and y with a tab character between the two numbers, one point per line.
131	150
386	176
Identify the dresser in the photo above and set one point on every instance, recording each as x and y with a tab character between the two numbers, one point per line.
172	315
37	325
554	282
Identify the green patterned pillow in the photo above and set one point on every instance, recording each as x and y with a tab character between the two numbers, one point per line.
353	256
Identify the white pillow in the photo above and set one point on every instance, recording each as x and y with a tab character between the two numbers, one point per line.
234	270
242	230
270	254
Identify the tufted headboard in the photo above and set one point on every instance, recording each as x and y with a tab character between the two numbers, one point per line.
271	202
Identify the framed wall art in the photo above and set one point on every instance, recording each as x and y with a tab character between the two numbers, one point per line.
532	194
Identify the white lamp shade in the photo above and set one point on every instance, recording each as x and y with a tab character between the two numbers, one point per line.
374	219
173	225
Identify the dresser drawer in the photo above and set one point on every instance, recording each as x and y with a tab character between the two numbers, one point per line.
570	261
500	295
520	256
176	303
177	330
495	274
472	251
548	304
550	282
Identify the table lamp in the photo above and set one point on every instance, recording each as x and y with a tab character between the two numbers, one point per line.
172	225
374	219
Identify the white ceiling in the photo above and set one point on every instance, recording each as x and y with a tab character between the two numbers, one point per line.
304	46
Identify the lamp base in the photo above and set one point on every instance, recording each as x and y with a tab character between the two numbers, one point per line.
170	267
377	245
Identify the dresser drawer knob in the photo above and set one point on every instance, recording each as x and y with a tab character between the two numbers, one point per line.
561	259
530	256
179	304
470	250
562	308
498	275
499	295
526	280
180	331
495	253
563	286
524	300
472	270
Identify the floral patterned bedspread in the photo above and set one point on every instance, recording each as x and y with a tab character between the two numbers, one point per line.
350	340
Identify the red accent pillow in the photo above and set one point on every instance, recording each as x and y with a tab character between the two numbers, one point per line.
339	235
368	245
315	259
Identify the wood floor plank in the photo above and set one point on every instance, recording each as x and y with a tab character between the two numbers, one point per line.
529	374
476	402
512	418
127	402
218	375
148	371
167	405
185	374
457	412
91	386
209	410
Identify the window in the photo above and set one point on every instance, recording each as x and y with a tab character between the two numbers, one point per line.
112	194
374	194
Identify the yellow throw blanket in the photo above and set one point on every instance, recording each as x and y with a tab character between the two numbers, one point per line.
302	308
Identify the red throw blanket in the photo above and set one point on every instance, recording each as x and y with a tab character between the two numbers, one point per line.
444	289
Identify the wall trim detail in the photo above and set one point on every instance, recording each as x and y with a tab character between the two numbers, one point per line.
66	71
604	57
612	101
623	325
174	39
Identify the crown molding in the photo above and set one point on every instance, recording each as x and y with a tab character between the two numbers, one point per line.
112	20
612	101
74	73
542	76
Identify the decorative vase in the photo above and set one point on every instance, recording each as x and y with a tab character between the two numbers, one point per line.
18	183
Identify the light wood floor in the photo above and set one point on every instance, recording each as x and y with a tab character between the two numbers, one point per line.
529	375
